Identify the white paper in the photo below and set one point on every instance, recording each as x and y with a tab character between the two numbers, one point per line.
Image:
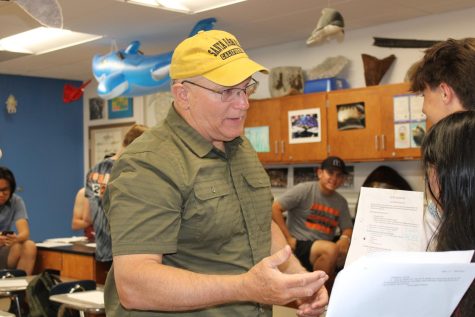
401	108
66	240
95	297
52	244
13	282
416	102
381	284
387	220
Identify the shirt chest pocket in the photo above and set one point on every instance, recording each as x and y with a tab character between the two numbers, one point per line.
259	188
212	211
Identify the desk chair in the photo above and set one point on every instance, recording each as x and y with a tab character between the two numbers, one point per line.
13	295
72	287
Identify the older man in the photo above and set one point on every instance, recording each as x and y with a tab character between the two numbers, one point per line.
189	204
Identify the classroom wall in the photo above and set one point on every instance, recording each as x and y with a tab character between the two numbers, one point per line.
457	24
42	143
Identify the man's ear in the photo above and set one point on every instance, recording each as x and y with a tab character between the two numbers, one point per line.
180	95
447	93
450	98
319	173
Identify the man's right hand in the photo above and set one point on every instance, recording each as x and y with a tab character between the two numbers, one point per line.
266	284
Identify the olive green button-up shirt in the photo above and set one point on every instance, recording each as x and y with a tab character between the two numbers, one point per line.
205	210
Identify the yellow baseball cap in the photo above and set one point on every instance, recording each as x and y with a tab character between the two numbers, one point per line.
215	55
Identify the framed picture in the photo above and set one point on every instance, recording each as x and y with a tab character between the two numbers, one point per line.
96	108
278	177
105	140
120	107
349	183
351	116
304	174
305	126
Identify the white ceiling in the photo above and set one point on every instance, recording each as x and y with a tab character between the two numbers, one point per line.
256	23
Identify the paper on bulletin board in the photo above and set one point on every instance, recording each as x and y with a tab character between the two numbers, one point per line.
259	138
402	135
409	121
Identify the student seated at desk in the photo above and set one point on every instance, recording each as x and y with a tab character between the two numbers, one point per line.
81	215
315	210
448	157
88	213
16	250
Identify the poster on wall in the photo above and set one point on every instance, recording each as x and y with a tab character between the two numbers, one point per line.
157	107
105	140
305	174
351	116
278	177
409	121
259	138
96	108
120	107
305	126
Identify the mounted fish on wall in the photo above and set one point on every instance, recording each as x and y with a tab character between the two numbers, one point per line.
129	73
329	26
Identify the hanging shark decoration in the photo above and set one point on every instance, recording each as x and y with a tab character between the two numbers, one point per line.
129	73
330	25
46	12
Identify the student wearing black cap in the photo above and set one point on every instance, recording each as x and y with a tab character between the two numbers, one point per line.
314	212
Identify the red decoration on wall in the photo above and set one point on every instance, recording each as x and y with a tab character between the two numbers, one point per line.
72	93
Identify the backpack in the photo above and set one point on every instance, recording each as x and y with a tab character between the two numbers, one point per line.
37	295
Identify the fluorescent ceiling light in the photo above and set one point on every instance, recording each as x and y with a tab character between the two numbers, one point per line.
43	40
185	6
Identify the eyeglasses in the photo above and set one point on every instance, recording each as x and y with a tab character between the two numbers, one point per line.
5	190
231	94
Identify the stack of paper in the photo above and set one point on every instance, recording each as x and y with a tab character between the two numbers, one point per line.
384	275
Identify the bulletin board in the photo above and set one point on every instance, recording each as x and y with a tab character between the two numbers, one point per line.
105	140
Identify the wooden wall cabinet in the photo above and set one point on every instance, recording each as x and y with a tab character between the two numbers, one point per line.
374	141
274	114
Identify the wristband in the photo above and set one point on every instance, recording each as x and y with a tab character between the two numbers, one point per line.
344	236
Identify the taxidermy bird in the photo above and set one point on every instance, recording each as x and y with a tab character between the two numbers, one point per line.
46	12
330	25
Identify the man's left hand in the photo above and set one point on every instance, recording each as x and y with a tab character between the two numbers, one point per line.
313	306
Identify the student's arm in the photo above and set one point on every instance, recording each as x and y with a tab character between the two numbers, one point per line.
343	244
278	218
144	283
23	232
81	214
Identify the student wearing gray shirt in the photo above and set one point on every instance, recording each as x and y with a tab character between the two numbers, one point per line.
314	213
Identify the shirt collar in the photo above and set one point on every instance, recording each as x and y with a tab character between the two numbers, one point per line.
197	144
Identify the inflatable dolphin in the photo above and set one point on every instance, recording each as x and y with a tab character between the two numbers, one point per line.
129	73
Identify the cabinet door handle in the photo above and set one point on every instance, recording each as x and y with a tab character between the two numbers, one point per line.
383	142
282	143
276	148
376	142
